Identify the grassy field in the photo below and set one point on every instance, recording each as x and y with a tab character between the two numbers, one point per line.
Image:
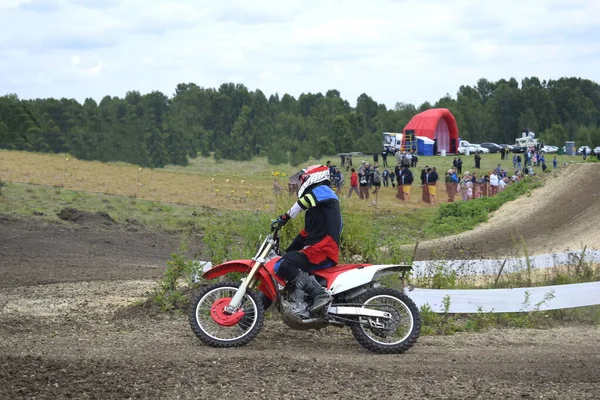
226	185
179	196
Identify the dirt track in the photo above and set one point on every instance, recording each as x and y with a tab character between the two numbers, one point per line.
563	215
70	341
65	333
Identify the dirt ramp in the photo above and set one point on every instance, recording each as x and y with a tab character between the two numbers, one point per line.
562	215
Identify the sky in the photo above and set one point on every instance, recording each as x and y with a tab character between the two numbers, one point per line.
408	51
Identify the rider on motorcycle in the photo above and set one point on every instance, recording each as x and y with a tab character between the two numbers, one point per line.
317	245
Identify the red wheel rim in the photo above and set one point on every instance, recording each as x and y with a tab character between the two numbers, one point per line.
222	317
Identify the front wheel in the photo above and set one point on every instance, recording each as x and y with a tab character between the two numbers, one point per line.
218	328
394	335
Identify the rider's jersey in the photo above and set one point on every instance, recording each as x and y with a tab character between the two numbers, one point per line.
320	237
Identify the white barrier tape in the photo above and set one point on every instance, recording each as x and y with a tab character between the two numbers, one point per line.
492	267
509	300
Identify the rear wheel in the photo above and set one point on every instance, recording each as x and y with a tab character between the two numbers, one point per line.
388	335
218	328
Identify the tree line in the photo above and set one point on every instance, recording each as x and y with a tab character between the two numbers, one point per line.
233	122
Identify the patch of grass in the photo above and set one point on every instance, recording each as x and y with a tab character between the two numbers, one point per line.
460	216
448	324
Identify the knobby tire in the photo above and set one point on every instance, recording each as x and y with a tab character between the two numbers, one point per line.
243	340
396	348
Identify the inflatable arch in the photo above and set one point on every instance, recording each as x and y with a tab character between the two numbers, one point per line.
437	124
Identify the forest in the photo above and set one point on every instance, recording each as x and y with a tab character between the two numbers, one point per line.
233	122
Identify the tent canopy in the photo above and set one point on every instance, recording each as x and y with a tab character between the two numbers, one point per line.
437	124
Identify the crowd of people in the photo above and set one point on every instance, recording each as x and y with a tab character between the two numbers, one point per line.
367	179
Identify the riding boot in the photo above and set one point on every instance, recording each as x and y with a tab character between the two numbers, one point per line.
309	284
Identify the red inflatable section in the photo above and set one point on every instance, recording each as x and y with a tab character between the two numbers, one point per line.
437	124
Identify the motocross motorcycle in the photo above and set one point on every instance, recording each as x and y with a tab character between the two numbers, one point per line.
382	320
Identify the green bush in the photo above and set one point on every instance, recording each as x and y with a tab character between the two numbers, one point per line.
461	216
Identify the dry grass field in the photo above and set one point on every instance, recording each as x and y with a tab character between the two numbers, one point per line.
227	185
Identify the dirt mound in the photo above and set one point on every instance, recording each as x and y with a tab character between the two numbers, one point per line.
34	252
82	217
563	215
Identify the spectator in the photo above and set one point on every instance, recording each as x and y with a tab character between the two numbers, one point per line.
365	181
502	184
376	180
451	181
424	186
493	183
337	179
405	183
353	183
432	179
385	176
414	161
384	155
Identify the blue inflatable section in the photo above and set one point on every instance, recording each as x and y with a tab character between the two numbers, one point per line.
424	146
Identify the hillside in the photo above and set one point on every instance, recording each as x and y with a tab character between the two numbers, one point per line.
562	215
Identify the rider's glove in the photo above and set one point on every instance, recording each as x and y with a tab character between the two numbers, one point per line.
280	221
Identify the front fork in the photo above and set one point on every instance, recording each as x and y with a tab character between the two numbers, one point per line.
250	280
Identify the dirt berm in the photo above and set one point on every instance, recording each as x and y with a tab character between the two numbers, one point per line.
562	215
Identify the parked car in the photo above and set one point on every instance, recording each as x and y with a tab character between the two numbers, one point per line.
597	150
480	149
465	147
509	147
549	149
580	150
492	147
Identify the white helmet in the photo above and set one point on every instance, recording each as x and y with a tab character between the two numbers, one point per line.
313	175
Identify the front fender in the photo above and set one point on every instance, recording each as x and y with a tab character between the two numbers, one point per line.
266	282
228	267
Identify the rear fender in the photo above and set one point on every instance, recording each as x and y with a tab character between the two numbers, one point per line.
266	286
359	277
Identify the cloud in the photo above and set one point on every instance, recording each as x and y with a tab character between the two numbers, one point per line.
407	51
8	4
